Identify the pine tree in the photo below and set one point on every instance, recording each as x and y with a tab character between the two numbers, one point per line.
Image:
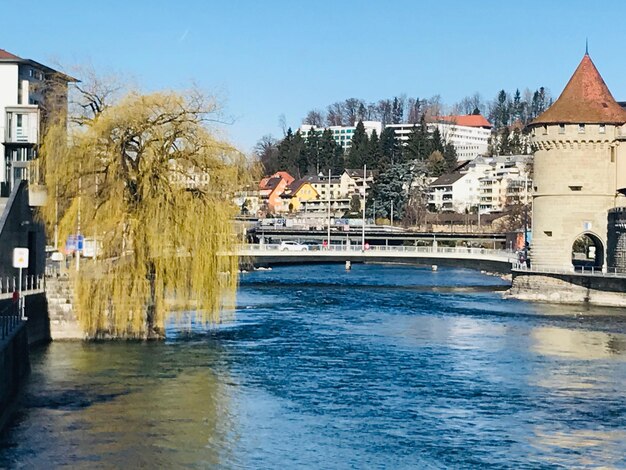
374	156
418	146
450	157
312	152
389	149
358	151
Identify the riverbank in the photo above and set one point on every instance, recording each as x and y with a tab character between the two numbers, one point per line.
568	288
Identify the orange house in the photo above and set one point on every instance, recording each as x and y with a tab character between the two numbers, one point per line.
272	187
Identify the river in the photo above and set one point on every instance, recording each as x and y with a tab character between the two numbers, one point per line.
380	367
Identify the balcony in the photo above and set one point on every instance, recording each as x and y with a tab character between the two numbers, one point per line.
22	125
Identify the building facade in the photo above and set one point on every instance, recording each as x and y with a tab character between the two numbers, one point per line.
29	94
342	134
579	170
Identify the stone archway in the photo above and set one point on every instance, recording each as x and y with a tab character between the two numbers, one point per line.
587	251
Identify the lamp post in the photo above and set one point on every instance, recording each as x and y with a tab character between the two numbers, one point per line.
364	199
328	234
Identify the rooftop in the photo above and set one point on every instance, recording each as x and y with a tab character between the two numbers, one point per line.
585	100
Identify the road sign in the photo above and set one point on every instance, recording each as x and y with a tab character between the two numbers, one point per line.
74	243
20	257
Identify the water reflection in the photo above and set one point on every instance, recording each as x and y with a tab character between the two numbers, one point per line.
578	344
376	368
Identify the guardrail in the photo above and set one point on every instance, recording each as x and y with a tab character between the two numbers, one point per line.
30	285
373	251
571	272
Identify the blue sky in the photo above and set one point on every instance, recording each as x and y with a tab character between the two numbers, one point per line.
269	58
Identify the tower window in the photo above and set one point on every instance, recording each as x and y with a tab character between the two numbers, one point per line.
601	128
561	128
545	130
576	188
548	233
581	128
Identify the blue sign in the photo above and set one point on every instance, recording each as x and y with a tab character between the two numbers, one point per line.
74	243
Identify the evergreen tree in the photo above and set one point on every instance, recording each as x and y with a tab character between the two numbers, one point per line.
450	157
285	161
312	152
397	111
418	146
390	151
299	155
357	154
374	156
437	142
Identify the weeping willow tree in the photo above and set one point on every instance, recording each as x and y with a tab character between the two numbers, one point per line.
149	180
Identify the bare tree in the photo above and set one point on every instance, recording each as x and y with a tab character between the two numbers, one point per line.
266	151
334	115
315	118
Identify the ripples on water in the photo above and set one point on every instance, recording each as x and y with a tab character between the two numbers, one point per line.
380	367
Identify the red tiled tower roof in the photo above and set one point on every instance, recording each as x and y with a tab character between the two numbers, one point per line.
585	100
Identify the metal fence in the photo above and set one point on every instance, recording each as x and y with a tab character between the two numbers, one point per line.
9	285
582	271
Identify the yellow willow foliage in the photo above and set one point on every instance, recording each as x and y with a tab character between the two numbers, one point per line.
128	174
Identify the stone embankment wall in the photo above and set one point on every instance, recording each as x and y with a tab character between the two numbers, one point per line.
14	367
63	321
569	288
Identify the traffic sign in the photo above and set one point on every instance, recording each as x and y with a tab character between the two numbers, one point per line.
20	257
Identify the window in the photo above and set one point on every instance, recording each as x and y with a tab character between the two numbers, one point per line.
545	130
561	128
581	128
575	188
548	233
19	120
602	129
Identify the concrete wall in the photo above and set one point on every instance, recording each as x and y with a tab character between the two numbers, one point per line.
14	367
18	228
36	309
569	288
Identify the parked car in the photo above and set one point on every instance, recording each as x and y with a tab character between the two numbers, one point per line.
292	246
312	245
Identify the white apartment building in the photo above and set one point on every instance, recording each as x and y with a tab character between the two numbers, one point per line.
470	134
486	183
23	89
506	181
343	134
454	192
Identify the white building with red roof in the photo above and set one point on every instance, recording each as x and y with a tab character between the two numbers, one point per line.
470	134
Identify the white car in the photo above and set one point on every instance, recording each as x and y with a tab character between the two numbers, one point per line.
292	246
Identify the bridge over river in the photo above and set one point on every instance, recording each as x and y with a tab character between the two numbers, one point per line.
500	261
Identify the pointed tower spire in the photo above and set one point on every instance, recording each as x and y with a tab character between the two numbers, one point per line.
585	100
586	46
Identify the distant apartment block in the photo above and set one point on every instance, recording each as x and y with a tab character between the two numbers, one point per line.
487	184
469	134
343	134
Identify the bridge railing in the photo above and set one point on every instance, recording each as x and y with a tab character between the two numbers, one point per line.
583	271
353	248
31	284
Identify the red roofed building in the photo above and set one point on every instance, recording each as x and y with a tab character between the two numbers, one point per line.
272	187
469	134
467	120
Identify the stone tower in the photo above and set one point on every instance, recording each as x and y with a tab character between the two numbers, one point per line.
580	169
